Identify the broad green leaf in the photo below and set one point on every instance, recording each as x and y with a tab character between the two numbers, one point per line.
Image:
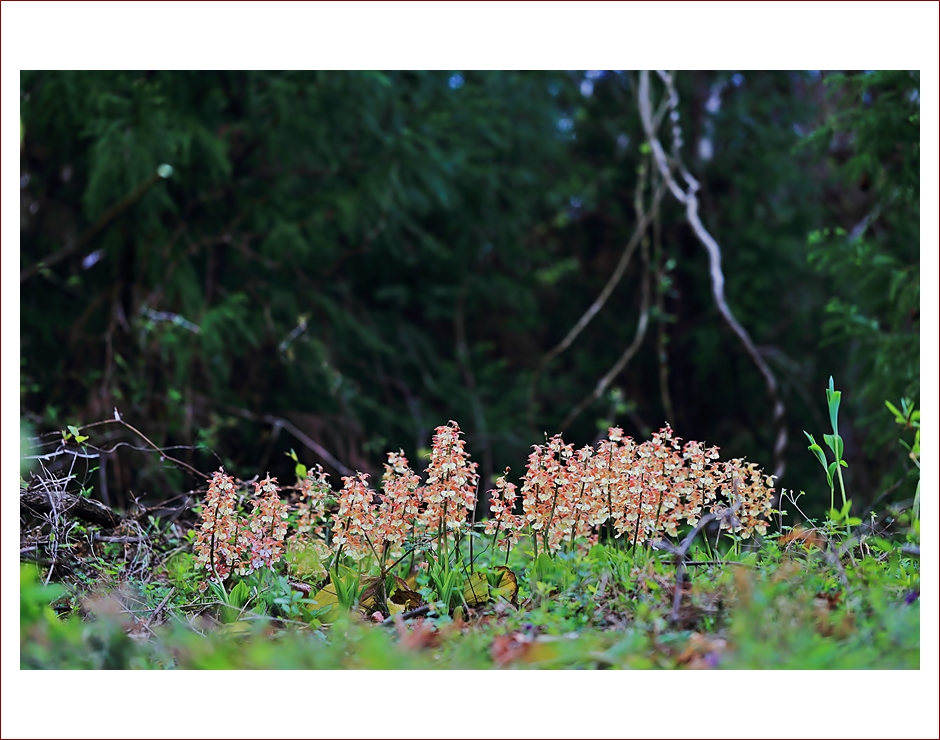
835	443
878	543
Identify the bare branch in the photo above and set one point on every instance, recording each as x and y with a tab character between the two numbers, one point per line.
163	455
643	218
305	440
643	222
688	198
160	606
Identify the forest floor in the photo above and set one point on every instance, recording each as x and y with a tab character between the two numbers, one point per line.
807	597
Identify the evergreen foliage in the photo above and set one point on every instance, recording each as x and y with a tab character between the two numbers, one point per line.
365	254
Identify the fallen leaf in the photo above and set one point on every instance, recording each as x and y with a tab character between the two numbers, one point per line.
807	537
403	597
369	600
507	587
476	590
327	601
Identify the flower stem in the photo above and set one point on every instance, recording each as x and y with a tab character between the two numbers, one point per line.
577	517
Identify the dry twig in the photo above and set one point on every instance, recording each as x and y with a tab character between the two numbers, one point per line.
680	552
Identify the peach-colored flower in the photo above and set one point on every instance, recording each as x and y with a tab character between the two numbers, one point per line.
502	501
449	492
216	548
355	520
263	539
399	502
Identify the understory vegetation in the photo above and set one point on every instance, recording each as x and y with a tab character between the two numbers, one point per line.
627	555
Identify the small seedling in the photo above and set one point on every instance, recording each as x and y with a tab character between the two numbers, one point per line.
835	444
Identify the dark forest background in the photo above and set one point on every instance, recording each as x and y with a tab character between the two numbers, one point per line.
244	263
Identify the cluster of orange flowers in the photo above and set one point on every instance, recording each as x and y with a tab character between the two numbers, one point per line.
639	491
222	546
217	536
635	491
371	522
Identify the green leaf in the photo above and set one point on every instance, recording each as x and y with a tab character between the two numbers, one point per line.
543	569
899	417
835	398
835	443
818	452
879	543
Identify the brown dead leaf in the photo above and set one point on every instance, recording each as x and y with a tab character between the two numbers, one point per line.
400	597
404	596
808	537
